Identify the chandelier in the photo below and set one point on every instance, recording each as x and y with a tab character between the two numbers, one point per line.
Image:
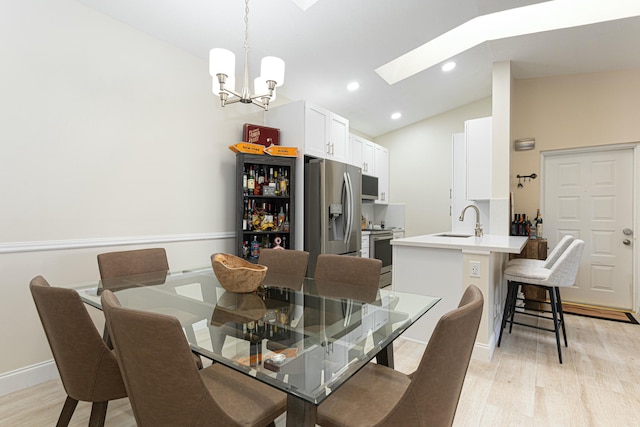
222	69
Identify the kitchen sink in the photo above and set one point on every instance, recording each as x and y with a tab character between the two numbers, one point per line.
453	235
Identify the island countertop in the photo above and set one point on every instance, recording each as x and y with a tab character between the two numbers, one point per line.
488	242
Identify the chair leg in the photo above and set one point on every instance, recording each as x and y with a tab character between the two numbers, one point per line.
514	302
98	414
561	312
505	311
67	411
556	327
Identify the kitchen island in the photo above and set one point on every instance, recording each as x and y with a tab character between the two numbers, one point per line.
444	265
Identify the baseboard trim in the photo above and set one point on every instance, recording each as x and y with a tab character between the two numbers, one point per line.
28	376
57	245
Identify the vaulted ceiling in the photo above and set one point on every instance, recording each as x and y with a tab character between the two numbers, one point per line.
335	42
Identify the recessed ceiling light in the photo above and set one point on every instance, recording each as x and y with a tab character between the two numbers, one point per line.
449	66
396	116
353	86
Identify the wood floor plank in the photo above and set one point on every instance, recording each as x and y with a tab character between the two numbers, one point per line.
524	385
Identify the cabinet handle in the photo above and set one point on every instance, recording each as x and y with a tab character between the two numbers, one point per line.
332	149
328	150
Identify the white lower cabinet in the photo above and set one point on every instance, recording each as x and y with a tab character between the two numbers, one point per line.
364	246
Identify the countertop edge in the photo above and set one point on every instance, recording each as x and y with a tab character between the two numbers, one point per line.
490	243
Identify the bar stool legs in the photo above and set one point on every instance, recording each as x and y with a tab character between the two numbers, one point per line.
557	315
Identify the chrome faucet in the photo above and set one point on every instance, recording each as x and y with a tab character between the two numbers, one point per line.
478	229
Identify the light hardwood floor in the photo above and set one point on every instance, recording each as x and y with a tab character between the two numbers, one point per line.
524	385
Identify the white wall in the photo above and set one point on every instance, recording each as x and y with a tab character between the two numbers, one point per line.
105	133
420	167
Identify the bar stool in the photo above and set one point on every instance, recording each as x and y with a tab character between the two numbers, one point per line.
562	273
562	245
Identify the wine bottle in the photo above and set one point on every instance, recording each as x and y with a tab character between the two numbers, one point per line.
538	225
245	216
251	181
514	225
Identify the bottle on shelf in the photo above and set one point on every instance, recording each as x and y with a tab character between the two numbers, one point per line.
245	216
527	227
284	184
254	251
245	249
538	222
251	181
281	218
286	225
514	225
245	183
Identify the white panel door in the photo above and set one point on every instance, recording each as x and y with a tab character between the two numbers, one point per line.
590	195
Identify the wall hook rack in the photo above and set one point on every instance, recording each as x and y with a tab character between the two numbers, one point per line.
529	177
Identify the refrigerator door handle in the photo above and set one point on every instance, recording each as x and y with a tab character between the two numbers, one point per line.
349	203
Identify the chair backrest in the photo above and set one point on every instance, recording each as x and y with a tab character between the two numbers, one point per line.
565	269
286	267
164	385
285	261
434	392
349	269
129	263
88	369
562	245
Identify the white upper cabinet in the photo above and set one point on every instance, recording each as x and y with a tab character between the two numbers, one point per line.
315	130
338	138
362	154
381	160
478	157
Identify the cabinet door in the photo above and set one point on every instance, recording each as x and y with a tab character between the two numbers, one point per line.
382	171
316	137
338	138
478	142
355	150
368	158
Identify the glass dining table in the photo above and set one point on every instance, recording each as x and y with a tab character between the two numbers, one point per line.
302	336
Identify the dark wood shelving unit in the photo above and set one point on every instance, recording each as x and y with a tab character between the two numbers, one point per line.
243	161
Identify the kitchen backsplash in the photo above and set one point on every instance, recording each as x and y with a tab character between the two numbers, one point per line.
393	215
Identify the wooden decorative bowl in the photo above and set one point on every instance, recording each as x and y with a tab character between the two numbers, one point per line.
236	274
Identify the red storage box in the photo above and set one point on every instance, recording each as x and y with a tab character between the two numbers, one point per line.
262	135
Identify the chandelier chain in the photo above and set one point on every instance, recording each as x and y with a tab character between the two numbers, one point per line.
246	26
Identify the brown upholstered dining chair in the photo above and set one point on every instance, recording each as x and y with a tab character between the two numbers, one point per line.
349	269
152	263
286	267
429	396
169	390
128	263
88	369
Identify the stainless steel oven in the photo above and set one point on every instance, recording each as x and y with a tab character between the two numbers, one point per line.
380	248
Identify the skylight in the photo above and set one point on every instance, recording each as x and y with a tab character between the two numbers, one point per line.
546	16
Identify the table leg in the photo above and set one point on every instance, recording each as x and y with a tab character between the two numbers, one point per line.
385	356
300	412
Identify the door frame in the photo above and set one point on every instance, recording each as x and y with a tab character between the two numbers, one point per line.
635	146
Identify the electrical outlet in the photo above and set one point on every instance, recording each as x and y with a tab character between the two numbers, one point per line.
474	269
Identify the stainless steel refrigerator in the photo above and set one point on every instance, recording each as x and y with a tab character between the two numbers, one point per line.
332	210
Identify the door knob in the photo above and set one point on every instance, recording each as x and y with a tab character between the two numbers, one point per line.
626	242
627	232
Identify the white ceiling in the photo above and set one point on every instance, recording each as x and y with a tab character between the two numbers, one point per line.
335	42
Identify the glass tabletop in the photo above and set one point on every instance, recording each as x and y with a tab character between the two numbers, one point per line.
302	336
